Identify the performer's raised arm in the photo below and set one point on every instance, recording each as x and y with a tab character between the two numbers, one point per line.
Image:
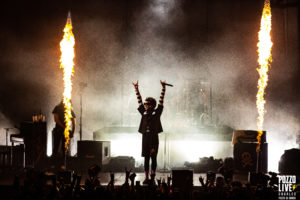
138	95
162	94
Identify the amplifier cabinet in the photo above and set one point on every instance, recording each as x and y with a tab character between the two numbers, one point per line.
93	152
245	157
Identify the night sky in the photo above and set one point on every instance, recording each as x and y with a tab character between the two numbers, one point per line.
121	41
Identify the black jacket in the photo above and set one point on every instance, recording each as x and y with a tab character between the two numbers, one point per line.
152	120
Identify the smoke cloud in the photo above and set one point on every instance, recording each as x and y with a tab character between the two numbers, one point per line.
186	43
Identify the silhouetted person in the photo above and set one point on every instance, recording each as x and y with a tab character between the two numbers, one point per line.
227	169
58	150
150	127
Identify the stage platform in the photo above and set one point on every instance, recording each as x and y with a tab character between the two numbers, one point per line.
176	145
200	133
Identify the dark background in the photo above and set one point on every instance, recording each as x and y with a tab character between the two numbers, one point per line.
120	41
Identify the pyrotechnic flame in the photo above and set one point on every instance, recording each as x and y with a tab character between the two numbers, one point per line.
264	59
67	64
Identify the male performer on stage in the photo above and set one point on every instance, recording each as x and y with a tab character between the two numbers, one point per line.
58	150
150	127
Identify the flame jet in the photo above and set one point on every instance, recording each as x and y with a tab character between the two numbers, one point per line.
67	64
264	59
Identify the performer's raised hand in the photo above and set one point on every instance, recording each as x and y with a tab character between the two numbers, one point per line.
136	85
163	83
138	95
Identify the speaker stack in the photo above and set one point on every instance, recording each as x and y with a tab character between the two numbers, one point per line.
289	162
92	152
246	159
35	140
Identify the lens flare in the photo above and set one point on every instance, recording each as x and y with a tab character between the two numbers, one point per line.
67	64
264	59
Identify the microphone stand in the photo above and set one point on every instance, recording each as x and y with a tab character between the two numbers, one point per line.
82	85
80	123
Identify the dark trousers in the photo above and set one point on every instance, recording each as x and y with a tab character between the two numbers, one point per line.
58	148
58	142
153	162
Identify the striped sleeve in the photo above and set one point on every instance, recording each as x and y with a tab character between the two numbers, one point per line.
138	96
162	96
